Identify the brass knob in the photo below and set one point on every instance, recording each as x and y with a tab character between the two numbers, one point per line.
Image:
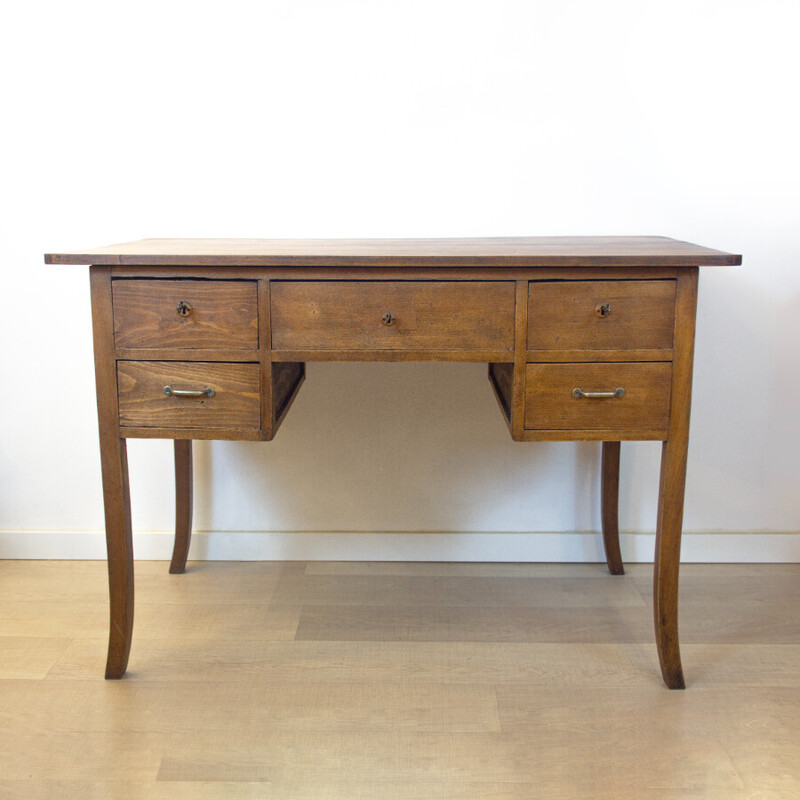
388	318
603	309
184	309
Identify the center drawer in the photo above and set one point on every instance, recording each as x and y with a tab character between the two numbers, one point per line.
393	315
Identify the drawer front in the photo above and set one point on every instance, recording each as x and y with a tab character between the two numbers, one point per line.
601	315
184	313
551	405
393	315
143	403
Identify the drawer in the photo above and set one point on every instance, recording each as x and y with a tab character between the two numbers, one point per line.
234	403
550	402
601	315
185	313
393	315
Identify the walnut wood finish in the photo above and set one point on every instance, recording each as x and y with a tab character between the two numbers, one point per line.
431	272
142	402
671	488
601	315
216	314
183	505
116	492
572	356
525	306
501	377
592	435
609	506
518	387
388	354
550	405
392	315
185	354
525	251
286	380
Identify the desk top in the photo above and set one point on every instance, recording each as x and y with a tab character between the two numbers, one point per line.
544	251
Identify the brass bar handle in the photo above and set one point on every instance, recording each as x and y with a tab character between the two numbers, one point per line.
170	392
579	393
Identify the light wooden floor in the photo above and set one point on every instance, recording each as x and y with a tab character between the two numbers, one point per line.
322	681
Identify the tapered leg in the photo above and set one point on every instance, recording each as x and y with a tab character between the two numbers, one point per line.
609	497
183	505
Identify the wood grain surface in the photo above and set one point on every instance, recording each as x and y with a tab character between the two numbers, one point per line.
563	315
350	315
116	486
551	315
142	401
222	314
672	483
559	251
549	403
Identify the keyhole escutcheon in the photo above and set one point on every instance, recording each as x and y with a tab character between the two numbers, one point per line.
603	310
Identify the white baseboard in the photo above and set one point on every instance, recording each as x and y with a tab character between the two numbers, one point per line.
448	546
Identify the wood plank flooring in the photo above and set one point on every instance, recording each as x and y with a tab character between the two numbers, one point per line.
294	681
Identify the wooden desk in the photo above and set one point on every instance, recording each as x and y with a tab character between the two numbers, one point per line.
586	339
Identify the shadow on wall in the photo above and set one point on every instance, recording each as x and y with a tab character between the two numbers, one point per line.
396	447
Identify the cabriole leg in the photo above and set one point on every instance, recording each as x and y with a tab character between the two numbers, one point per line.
667	561
183	505
119	541
610	506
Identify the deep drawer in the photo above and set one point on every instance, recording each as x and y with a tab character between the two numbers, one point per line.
551	404
185	313
234	400
601	315
392	315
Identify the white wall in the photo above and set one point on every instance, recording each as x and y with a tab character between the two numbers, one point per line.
435	118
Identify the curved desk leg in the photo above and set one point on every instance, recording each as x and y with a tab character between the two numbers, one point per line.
119	540
183	505
672	484
114	466
610	506
667	561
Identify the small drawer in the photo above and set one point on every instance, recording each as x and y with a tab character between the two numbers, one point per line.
225	395
601	315
393	315
643	404
185	313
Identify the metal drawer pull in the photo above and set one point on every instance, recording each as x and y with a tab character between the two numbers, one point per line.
579	393
184	309
388	318
170	392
